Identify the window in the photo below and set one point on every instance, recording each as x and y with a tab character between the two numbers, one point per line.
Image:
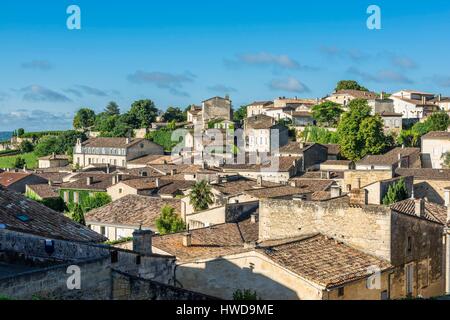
341	292
409	279
384	295
409	245
76	197
114	256
120	190
66	196
138	259
103	231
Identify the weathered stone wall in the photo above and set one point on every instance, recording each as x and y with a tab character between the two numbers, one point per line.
314	155
51	282
216	108
128	287
366	228
433	190
366	177
426	253
240	211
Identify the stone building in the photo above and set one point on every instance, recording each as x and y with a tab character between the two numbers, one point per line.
257	107
53	161
115	151
399	157
394	235
263	135
434	146
45	255
343	97
17	181
120	218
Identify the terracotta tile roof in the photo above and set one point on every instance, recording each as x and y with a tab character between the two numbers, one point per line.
152	159
414	101
260	103
276	192
312	185
337	162
54	177
9	178
44	191
320	175
144	183
141	172
284	164
437	135
294	147
100	182
323	260
389	158
111	142
358	94
55	157
424	173
132	211
42	220
235	187
212	242
260	121
433	212
174	186
333	149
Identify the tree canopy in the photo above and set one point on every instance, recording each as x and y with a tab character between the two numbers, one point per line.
327	113
84	118
240	114
438	121
169	221
396	192
349	85
112	109
174	114
201	196
142	114
360	133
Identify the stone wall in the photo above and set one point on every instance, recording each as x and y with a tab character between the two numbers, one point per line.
366	177
128	287
51	282
366	228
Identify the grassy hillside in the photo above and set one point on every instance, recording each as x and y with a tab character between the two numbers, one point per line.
30	158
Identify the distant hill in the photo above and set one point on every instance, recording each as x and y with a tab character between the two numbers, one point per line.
5	135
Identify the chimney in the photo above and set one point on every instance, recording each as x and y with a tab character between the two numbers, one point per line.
50	183
424	100
78	141
127	140
259	181
419	207
302	145
358	183
187	239
89	180
439	97
382	95
108	168
335	191
254	218
447	196
173	172
142	241
157	182
399	160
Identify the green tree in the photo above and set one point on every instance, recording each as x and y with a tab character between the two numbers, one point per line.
438	121
371	133
201	196
77	214
327	113
26	146
240	114
61	144
174	114
245	294
446	159
349	85
84	118
352	146
98	200
112	109
20	132
318	135
396	192
142	114
19	163
169	221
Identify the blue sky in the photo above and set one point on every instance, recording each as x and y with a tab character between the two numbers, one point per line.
182	52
